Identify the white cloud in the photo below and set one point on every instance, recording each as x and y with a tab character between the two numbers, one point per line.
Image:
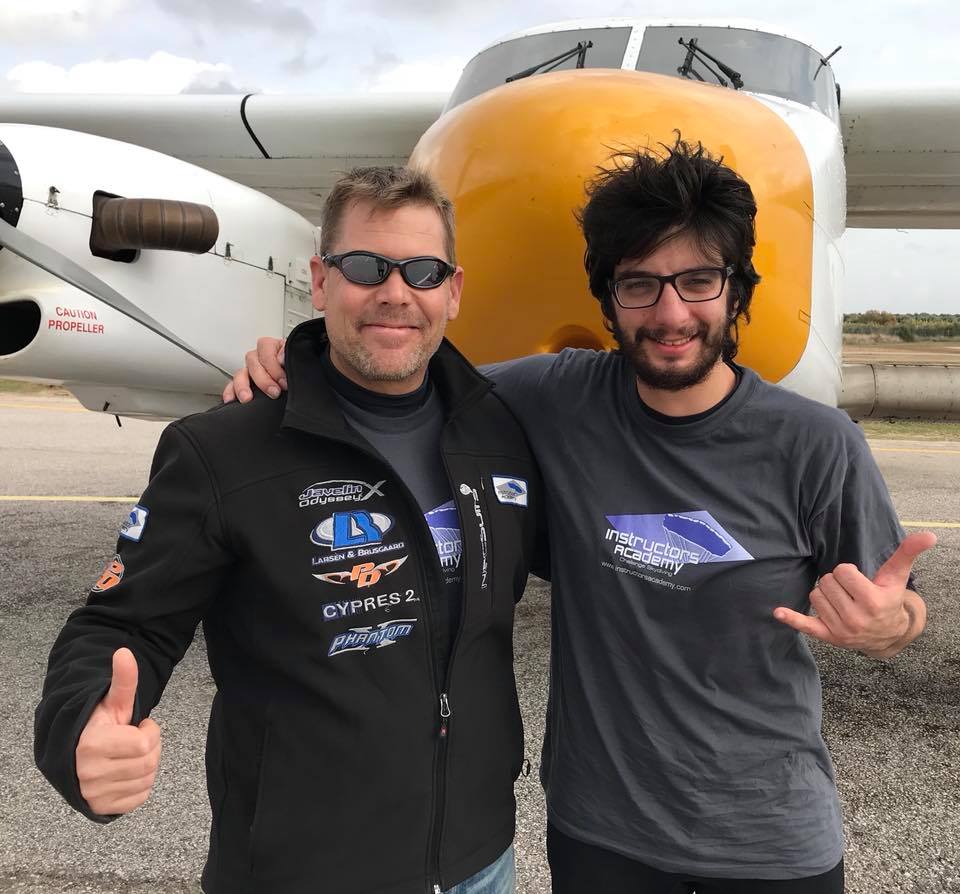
211	80
161	73
23	21
427	76
280	18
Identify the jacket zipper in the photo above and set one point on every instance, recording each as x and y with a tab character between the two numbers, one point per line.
440	753
433	858
436	674
439	758
445	713
445	710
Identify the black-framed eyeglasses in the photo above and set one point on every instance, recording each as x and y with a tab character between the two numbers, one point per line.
366	268
645	289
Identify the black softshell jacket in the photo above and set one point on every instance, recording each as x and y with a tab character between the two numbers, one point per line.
331	765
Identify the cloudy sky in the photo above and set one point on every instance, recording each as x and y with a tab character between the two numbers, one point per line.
308	46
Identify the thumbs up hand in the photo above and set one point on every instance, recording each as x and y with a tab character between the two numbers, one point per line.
116	762
879	616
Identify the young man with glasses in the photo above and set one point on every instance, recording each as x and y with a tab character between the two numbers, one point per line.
696	513
355	552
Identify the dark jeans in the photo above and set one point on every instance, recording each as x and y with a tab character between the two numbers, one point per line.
579	868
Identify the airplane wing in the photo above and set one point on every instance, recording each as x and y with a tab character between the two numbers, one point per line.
902	144
291	148
902	160
902	147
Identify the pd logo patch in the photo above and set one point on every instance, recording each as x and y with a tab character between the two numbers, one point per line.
364	575
132	528
346	530
111	576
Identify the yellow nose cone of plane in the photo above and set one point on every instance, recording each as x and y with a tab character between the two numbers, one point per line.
515	160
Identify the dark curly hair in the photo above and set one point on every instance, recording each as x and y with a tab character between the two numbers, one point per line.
648	196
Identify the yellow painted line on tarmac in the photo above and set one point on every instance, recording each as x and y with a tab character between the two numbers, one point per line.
70	498
64	498
930	524
54	409
932	451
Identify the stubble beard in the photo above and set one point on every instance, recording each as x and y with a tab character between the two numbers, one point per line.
666	377
369	365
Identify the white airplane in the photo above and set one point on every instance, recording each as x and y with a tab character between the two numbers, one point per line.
140	308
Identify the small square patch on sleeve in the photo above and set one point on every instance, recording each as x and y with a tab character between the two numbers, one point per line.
135	523
510	489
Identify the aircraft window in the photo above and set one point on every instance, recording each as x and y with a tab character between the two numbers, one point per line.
492	67
768	63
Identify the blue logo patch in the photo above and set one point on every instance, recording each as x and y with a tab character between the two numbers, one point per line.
133	527
362	639
444	524
514	491
670	541
346	530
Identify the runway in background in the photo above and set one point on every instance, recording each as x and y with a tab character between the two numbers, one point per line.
65	474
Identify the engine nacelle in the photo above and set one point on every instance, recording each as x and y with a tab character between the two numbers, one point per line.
254	281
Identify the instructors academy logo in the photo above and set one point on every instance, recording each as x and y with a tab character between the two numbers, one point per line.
444	524
669	542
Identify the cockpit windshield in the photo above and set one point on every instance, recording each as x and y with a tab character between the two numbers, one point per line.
767	63
492	67
741	58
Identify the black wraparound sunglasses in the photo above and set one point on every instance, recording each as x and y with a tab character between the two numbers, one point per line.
365	268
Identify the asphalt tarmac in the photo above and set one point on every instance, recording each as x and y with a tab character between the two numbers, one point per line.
893	727
916	353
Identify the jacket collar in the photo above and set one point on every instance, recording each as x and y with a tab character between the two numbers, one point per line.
312	407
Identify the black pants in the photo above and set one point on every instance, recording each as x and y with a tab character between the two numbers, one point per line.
579	868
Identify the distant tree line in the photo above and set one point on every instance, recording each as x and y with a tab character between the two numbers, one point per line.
906	327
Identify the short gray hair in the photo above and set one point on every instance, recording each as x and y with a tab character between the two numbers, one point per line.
385	187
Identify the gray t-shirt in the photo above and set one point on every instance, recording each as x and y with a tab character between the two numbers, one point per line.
684	721
406	431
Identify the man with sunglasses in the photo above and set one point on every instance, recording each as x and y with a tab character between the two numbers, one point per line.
354	552
696	515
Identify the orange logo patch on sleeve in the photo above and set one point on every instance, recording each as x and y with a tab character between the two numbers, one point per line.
111	576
